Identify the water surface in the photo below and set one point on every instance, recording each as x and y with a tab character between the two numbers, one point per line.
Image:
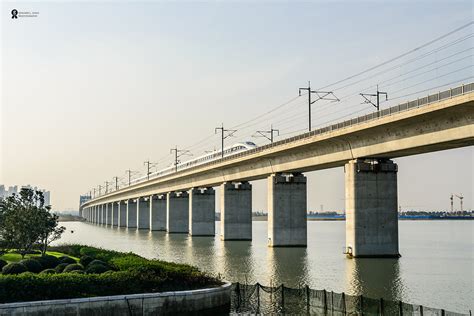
436	268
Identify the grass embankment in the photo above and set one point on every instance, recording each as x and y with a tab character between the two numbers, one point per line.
80	271
16	257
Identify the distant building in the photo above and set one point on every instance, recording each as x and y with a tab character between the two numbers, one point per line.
83	199
14	190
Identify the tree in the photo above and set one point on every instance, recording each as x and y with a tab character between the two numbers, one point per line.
51	231
25	220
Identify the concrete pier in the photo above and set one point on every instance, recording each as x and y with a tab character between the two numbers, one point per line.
287	223
202	205
131	214
101	214
177	214
158	212
371	208
236	211
143	216
108	214
122	214
114	214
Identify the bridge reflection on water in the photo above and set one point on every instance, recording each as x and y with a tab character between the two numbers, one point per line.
421	276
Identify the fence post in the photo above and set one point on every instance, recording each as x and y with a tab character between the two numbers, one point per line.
443	312
361	305
381	307
325	301
344	303
307	300
421	310
283	298
400	308
237	289
258	298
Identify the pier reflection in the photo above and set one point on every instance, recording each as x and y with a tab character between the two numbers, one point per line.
236	261
288	266
374	278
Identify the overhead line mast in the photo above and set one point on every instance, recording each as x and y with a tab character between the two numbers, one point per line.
321	95
223	136
178	153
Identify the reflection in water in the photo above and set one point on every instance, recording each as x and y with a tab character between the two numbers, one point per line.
236	263
288	266
374	278
321	265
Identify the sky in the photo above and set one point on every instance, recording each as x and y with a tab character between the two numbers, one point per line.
90	89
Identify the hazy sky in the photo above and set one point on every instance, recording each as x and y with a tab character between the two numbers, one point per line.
90	89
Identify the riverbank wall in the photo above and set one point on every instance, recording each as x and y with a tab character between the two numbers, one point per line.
211	301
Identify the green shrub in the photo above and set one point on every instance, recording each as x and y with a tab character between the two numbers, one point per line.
2	263
48	271
85	260
60	267
73	267
77	271
66	259
97	268
14	268
47	261
95	262
32	265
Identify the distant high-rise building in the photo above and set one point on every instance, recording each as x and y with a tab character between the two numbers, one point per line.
14	190
83	199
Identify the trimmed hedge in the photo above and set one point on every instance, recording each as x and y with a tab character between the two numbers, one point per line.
135	275
14	268
60	267
73	267
48	271
85	260
47	261
32	265
66	259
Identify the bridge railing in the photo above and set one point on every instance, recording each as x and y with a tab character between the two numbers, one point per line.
420	102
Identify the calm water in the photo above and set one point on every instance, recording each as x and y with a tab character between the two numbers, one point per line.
436	268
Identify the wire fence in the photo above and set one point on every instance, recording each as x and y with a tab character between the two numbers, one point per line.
259	299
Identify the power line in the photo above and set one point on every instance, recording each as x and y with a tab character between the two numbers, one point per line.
265	133
224	136
178	153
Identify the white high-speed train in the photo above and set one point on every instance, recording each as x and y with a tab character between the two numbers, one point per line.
228	151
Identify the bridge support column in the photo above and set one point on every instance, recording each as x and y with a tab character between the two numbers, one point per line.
122	214
96	214
114	215
131	214
371	208
202	217
108	214
99	214
287	223
102	213
158	212
236	211
177	213
143	217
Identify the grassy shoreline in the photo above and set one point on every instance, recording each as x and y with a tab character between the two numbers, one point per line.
91	271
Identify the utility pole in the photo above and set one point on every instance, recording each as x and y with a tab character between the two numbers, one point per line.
100	189
148	164
116	183
94	191
178	153
265	133
367	96
321	95
224	136
129	173
452	202
460	197
106	187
